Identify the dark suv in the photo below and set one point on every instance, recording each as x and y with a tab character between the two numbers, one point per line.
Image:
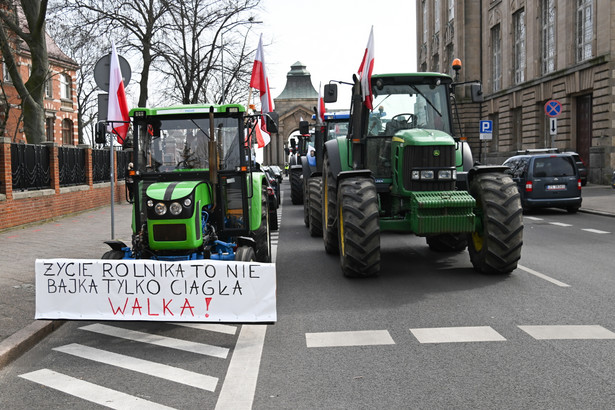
546	179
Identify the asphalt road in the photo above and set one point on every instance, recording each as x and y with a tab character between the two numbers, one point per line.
429	332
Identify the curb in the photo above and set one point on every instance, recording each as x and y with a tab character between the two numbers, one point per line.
595	212
20	342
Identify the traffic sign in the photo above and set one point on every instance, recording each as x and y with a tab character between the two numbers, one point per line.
553	108
486	130
552	126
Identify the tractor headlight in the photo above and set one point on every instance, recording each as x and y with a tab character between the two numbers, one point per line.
187	202
160	209
427	174
416	175
150	203
445	174
175	208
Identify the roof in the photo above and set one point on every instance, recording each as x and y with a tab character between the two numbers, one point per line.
298	84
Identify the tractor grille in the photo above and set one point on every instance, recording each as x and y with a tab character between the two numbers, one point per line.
422	157
170	232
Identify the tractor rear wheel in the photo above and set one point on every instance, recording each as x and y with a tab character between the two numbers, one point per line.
261	235
315	208
245	254
328	201
296	187
306	205
358	227
495	247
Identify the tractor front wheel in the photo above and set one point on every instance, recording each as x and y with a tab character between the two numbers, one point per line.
358	227
113	254
328	198
495	247
315	208
296	186
245	254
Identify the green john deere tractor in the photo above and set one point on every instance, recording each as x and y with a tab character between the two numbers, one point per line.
196	193
401	168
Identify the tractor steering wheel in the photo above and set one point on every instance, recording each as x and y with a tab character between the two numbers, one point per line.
409	120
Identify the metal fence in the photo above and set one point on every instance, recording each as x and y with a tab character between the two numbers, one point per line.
30	167
101	165
71	163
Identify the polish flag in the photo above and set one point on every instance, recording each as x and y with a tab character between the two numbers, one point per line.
117	108
260	81
365	71
321	105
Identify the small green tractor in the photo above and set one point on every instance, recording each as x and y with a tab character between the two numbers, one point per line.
401	168
300	147
196	192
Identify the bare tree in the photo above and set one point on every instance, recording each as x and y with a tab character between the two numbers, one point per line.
201	33
29	28
137	25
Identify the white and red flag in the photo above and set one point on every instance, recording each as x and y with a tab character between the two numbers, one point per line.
321	106
260	81
365	71
117	108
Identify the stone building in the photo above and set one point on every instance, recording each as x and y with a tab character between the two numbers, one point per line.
296	101
61	121
527	53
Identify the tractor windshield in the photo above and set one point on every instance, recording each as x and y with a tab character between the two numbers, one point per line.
404	106
172	144
337	129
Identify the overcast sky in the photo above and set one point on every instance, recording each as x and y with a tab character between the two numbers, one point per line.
329	37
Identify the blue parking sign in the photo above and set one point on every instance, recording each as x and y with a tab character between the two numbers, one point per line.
486	130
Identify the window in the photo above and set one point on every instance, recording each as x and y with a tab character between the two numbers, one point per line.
547	36
49	87
49	129
424	6
436	16
451	10
519	47
5	74
496	58
67	132
66	87
585	29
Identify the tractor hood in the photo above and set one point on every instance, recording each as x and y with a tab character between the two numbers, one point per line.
419	136
170	191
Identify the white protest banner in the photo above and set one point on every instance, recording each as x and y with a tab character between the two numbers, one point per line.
192	291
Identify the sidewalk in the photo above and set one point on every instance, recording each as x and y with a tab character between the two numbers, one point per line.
82	236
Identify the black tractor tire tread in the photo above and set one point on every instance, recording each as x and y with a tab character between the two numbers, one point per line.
261	236
306	205
113	254
329	209
499	202
359	220
315	207
296	187
245	254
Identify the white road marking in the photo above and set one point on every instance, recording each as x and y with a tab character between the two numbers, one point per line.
239	386
596	231
543	276
559	224
358	338
533	218
212	327
200	381
89	391
457	334
559	332
199	348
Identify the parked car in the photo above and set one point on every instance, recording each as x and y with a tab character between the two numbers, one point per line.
273	181
580	166
277	171
546	179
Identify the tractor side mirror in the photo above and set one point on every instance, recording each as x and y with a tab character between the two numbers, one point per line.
477	92
304	127
101	133
330	93
271	121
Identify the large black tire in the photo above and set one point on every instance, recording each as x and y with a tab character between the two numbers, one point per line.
273	220
113	254
261	235
315	208
358	227
306	205
296	186
328	201
245	254
496	247
448	242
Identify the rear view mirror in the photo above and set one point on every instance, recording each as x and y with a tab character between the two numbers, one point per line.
271	121
304	127
477	92
330	93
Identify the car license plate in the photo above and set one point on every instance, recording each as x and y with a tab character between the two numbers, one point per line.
559	187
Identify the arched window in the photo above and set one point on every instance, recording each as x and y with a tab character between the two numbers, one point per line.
67	132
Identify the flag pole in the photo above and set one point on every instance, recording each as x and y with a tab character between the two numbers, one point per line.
112	173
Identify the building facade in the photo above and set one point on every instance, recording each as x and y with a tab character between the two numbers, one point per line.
61	121
527	54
